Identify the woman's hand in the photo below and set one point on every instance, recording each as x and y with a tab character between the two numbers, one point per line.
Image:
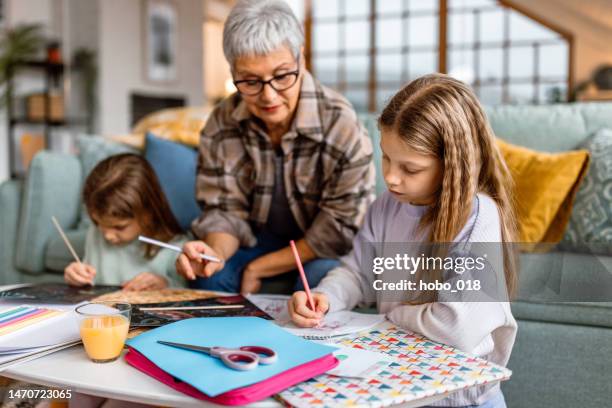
189	264
251	282
79	274
300	311
145	281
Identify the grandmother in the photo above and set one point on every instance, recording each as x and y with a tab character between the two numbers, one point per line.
284	158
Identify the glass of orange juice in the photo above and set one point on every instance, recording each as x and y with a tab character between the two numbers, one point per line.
104	327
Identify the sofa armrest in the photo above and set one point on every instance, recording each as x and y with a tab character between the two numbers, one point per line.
10	195
52	188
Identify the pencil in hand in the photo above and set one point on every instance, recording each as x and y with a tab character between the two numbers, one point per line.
298	262
69	245
174	248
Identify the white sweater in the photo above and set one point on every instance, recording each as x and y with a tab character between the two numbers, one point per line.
484	329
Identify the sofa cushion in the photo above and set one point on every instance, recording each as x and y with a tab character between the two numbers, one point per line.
560	366
10	195
581	313
57	255
551	128
590	227
565	287
175	166
565	277
370	123
545	185
92	150
52	188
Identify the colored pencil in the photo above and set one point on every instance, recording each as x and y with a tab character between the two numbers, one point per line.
174	248
298	262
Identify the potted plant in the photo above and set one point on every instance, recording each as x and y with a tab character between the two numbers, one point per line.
23	42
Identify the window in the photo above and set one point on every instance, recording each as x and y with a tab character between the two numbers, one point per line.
341	47
367	49
506	56
406	43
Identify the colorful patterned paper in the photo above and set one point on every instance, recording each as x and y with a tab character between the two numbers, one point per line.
15	318
422	369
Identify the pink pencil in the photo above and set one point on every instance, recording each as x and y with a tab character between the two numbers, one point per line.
302	274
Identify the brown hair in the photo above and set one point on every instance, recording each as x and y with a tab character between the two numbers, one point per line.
440	116
125	186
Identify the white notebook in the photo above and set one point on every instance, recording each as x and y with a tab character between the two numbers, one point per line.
336	324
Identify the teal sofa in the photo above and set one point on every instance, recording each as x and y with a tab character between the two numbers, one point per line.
563	351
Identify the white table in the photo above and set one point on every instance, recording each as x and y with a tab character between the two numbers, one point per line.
70	369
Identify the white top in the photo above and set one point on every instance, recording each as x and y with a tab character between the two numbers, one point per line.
484	329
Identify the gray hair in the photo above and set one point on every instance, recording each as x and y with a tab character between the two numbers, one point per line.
258	27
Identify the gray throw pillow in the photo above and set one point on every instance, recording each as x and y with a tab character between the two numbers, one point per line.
590	226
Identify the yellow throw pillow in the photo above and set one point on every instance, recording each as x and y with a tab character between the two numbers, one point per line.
545	186
181	125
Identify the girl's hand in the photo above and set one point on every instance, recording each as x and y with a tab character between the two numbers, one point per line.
300	312
79	274
189	264
146	281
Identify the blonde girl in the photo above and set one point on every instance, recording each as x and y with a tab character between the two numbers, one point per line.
447	184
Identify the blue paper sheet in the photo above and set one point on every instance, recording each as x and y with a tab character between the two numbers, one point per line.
209	374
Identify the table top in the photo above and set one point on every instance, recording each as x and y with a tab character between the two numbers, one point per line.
72	370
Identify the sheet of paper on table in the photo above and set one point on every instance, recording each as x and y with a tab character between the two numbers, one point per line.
335	324
359	363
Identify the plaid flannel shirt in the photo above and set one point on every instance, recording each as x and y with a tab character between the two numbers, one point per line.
328	171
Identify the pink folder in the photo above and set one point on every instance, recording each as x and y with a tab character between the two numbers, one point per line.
239	396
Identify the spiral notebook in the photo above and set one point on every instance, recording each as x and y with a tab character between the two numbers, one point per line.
420	368
335	324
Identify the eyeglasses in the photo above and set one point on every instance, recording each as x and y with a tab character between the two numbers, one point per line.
279	83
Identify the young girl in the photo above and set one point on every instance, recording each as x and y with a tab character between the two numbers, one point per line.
124	200
447	183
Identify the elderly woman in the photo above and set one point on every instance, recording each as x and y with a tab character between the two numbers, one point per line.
284	158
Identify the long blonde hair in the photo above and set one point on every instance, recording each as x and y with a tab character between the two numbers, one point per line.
440	116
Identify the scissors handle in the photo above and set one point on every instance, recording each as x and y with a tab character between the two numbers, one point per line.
236	359
265	355
244	358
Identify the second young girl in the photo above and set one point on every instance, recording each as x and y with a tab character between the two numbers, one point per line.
124	200
447	183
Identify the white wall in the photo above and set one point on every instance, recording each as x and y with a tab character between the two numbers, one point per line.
81	32
121	59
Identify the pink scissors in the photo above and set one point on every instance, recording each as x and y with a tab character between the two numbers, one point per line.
243	358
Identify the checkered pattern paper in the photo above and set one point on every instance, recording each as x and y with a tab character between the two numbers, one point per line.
422	368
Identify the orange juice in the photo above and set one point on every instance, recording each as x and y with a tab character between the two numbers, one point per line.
104	336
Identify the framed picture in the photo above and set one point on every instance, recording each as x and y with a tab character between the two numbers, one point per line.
161	40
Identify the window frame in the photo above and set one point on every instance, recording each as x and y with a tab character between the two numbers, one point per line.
443	48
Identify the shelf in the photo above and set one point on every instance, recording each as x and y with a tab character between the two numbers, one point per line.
54	67
52	73
54	123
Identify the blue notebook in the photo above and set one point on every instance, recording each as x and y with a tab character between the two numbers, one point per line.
209	374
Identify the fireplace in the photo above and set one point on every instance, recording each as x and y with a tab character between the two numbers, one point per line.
143	104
